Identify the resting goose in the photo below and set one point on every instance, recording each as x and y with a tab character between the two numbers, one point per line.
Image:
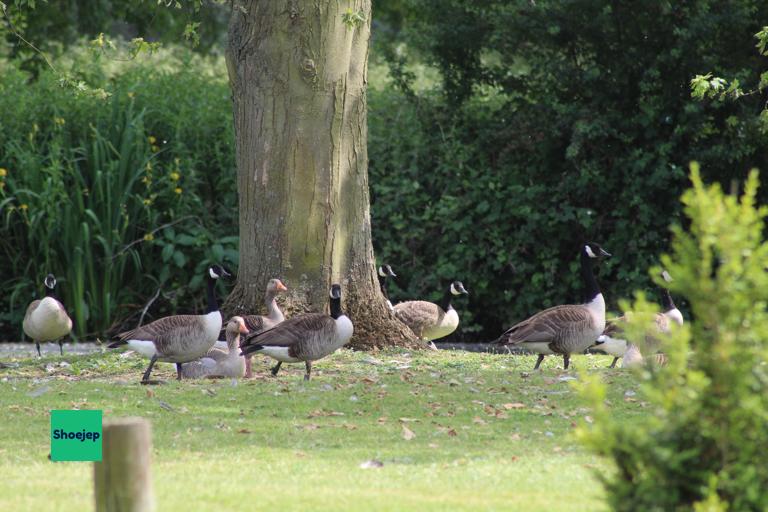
178	338
217	362
567	329
430	321
258	323
303	338
386	271
46	319
614	344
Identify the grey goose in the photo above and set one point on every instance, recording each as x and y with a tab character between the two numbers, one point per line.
304	338
566	329
46	319
258	323
219	362
178	338
613	343
384	272
430	321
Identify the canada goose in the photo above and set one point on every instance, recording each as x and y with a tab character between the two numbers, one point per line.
614	344
386	271
179	338
430	321
217	362
46	319
258	323
564	329
303	338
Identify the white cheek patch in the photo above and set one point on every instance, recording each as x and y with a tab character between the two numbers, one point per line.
381	272
665	275
454	291
213	274
588	249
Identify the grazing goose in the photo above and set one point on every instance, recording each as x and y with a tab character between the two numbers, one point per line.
564	329
386	271
430	321
258	323
179	338
303	338
614	344
221	363
46	319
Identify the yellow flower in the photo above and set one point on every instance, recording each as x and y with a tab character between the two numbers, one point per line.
59	121
177	160
152	139
3	172
147	202
178	190
131	94
154	148
149	237
175	176
148	167
146	180
24	206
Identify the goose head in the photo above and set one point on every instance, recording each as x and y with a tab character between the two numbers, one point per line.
386	271
236	325
50	281
457	288
276	286
594	251
665	276
335	292
216	271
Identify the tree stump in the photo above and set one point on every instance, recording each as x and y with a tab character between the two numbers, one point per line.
123	480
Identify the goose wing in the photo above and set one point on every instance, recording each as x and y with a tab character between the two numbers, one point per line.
255	323
164	330
614	326
548	325
289	332
418	314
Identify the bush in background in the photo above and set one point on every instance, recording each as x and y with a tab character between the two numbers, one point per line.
700	443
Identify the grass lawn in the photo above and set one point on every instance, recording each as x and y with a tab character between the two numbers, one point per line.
485	434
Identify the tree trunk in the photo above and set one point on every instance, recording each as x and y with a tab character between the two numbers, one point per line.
298	72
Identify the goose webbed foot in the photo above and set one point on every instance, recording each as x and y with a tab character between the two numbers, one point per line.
61	347
538	361
178	371
613	364
309	370
37	344
276	368
566	361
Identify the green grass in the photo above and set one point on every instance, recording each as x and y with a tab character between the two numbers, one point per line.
280	443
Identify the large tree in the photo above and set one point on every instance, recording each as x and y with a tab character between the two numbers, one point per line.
298	71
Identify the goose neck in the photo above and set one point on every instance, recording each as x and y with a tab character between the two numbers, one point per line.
666	300
383	286
445	303
273	311
336	308
213	305
591	288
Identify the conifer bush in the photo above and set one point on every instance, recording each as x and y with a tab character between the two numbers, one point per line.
701	443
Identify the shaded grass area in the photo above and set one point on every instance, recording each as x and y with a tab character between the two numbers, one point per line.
454	431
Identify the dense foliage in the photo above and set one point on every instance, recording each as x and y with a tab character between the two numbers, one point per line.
557	121
119	197
700	445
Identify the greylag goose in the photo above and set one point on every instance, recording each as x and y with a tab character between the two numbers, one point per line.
258	323
217	362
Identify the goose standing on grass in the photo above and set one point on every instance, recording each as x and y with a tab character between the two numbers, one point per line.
567	329
386	271
613	342
304	338
430	321
178	338
217	362
259	323
46	319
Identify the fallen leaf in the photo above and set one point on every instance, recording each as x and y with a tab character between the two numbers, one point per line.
452	432
588	419
370	464
515	405
150	393
479	421
244	431
406	420
408	434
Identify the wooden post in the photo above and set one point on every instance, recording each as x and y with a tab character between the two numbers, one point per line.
123	480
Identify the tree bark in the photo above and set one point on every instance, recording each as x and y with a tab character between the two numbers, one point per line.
298	74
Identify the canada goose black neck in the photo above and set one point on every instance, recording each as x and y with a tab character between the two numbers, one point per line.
49	292
447	298
336	307
591	288
213	305
666	300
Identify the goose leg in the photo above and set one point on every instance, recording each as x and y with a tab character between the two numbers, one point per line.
152	362
276	368
37	344
248	369
538	361
613	364
309	370
566	360
61	347
178	371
